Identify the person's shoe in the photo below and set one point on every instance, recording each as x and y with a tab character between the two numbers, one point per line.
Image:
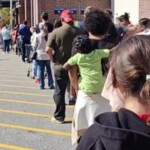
51	87
54	120
33	77
37	81
23	59
42	88
72	101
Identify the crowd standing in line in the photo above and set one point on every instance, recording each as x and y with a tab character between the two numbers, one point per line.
80	59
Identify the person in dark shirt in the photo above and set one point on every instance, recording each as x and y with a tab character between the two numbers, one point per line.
60	41
129	128
44	18
25	34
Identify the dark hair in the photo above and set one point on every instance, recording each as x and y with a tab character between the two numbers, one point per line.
97	22
82	44
87	10
25	22
144	21
57	23
124	17
130	65
109	12
44	16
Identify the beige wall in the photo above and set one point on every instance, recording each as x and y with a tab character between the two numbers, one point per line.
130	6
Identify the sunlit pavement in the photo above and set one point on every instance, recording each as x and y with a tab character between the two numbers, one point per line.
26	111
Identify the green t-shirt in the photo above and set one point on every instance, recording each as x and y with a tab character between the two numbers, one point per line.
91	80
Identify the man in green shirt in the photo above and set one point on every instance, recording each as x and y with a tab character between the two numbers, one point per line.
60	41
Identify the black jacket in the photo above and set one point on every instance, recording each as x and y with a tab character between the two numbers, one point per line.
117	131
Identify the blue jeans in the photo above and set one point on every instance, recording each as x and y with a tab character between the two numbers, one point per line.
41	66
34	68
6	45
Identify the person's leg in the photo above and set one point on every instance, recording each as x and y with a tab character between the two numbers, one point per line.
41	72
33	69
7	46
49	73
72	98
4	43
59	97
23	50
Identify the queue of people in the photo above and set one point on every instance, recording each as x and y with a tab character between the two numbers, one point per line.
95	61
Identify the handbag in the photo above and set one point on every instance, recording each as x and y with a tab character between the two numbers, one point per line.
34	55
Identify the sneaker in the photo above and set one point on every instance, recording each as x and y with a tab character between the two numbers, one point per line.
51	87
54	120
72	101
42	88
33	77
37	81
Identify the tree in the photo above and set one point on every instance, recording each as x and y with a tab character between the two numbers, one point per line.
5	16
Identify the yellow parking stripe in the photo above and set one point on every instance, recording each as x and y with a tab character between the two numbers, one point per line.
30	114
23	93
16	86
25	128
16	81
12	147
12	76
32	103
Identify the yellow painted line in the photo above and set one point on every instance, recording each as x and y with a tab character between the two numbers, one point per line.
15	76
12	147
22	93
16	86
25	128
32	103
16	81
30	114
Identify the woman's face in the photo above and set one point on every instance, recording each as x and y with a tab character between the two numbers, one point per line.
123	23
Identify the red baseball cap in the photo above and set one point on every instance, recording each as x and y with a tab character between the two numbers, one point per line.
67	16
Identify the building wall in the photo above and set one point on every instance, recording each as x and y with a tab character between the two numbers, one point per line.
50	5
129	6
144	9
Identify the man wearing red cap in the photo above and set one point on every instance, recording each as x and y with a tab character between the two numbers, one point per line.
60	40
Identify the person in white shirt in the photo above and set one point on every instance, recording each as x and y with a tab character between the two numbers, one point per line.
43	59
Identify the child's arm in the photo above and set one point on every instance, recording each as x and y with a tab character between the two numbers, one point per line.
104	53
71	62
73	76
66	66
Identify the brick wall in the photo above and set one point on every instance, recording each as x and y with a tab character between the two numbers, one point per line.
21	11
50	5
144	9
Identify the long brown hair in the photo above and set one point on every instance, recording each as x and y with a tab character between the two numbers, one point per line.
130	63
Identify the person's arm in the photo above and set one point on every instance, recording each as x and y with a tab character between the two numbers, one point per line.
66	66
104	53
35	43
50	45
49	51
71	64
73	76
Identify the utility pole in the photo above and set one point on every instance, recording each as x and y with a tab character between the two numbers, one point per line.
11	14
